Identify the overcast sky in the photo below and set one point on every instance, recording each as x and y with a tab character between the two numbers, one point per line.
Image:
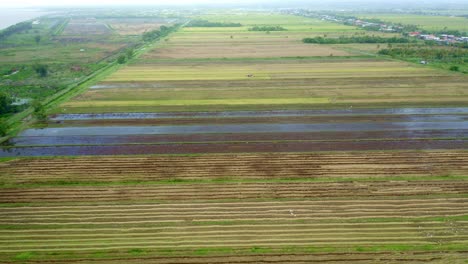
25	3
364	3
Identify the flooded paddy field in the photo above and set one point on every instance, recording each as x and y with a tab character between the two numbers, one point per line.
240	147
257	120
241	128
245	131
277	113
247	137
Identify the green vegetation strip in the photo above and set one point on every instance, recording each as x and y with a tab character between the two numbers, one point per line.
230	180
148	253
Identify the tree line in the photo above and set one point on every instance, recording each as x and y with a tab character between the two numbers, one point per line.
451	56
355	39
158	33
206	23
267	28
15	29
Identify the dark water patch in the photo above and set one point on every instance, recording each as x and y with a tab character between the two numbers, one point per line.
259	120
235	148
278	113
240	128
244	137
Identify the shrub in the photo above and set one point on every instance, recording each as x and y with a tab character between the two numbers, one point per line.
121	59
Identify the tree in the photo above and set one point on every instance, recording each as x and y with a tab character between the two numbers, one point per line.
6	104
42	70
121	59
37	38
39	111
130	53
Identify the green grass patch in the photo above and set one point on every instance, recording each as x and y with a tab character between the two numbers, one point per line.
24	256
227	180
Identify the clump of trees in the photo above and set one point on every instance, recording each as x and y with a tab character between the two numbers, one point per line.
453	58
6	104
158	33
122	59
15	29
42	70
267	28
37	38
206	23
440	54
39	111
355	39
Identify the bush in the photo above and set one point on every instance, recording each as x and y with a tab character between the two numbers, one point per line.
121	59
130	53
39	111
454	68
6	104
42	70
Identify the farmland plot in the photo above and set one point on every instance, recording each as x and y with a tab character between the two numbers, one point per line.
80	27
260	157
199	208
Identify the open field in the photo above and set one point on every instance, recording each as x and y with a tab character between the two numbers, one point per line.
202	206
239	42
243	51
269	85
79	27
137	26
224	145
209	168
286	69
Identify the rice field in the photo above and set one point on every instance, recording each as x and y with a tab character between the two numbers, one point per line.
222	145
265	84
202	206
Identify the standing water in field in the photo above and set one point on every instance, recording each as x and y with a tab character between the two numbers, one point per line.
284	113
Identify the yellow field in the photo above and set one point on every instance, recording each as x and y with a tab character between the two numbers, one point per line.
268	70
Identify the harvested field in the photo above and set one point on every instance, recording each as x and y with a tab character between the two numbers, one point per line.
192	226
245	166
243	51
229	191
137	26
84	27
329	207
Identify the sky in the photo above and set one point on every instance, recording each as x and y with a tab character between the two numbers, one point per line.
27	3
39	3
